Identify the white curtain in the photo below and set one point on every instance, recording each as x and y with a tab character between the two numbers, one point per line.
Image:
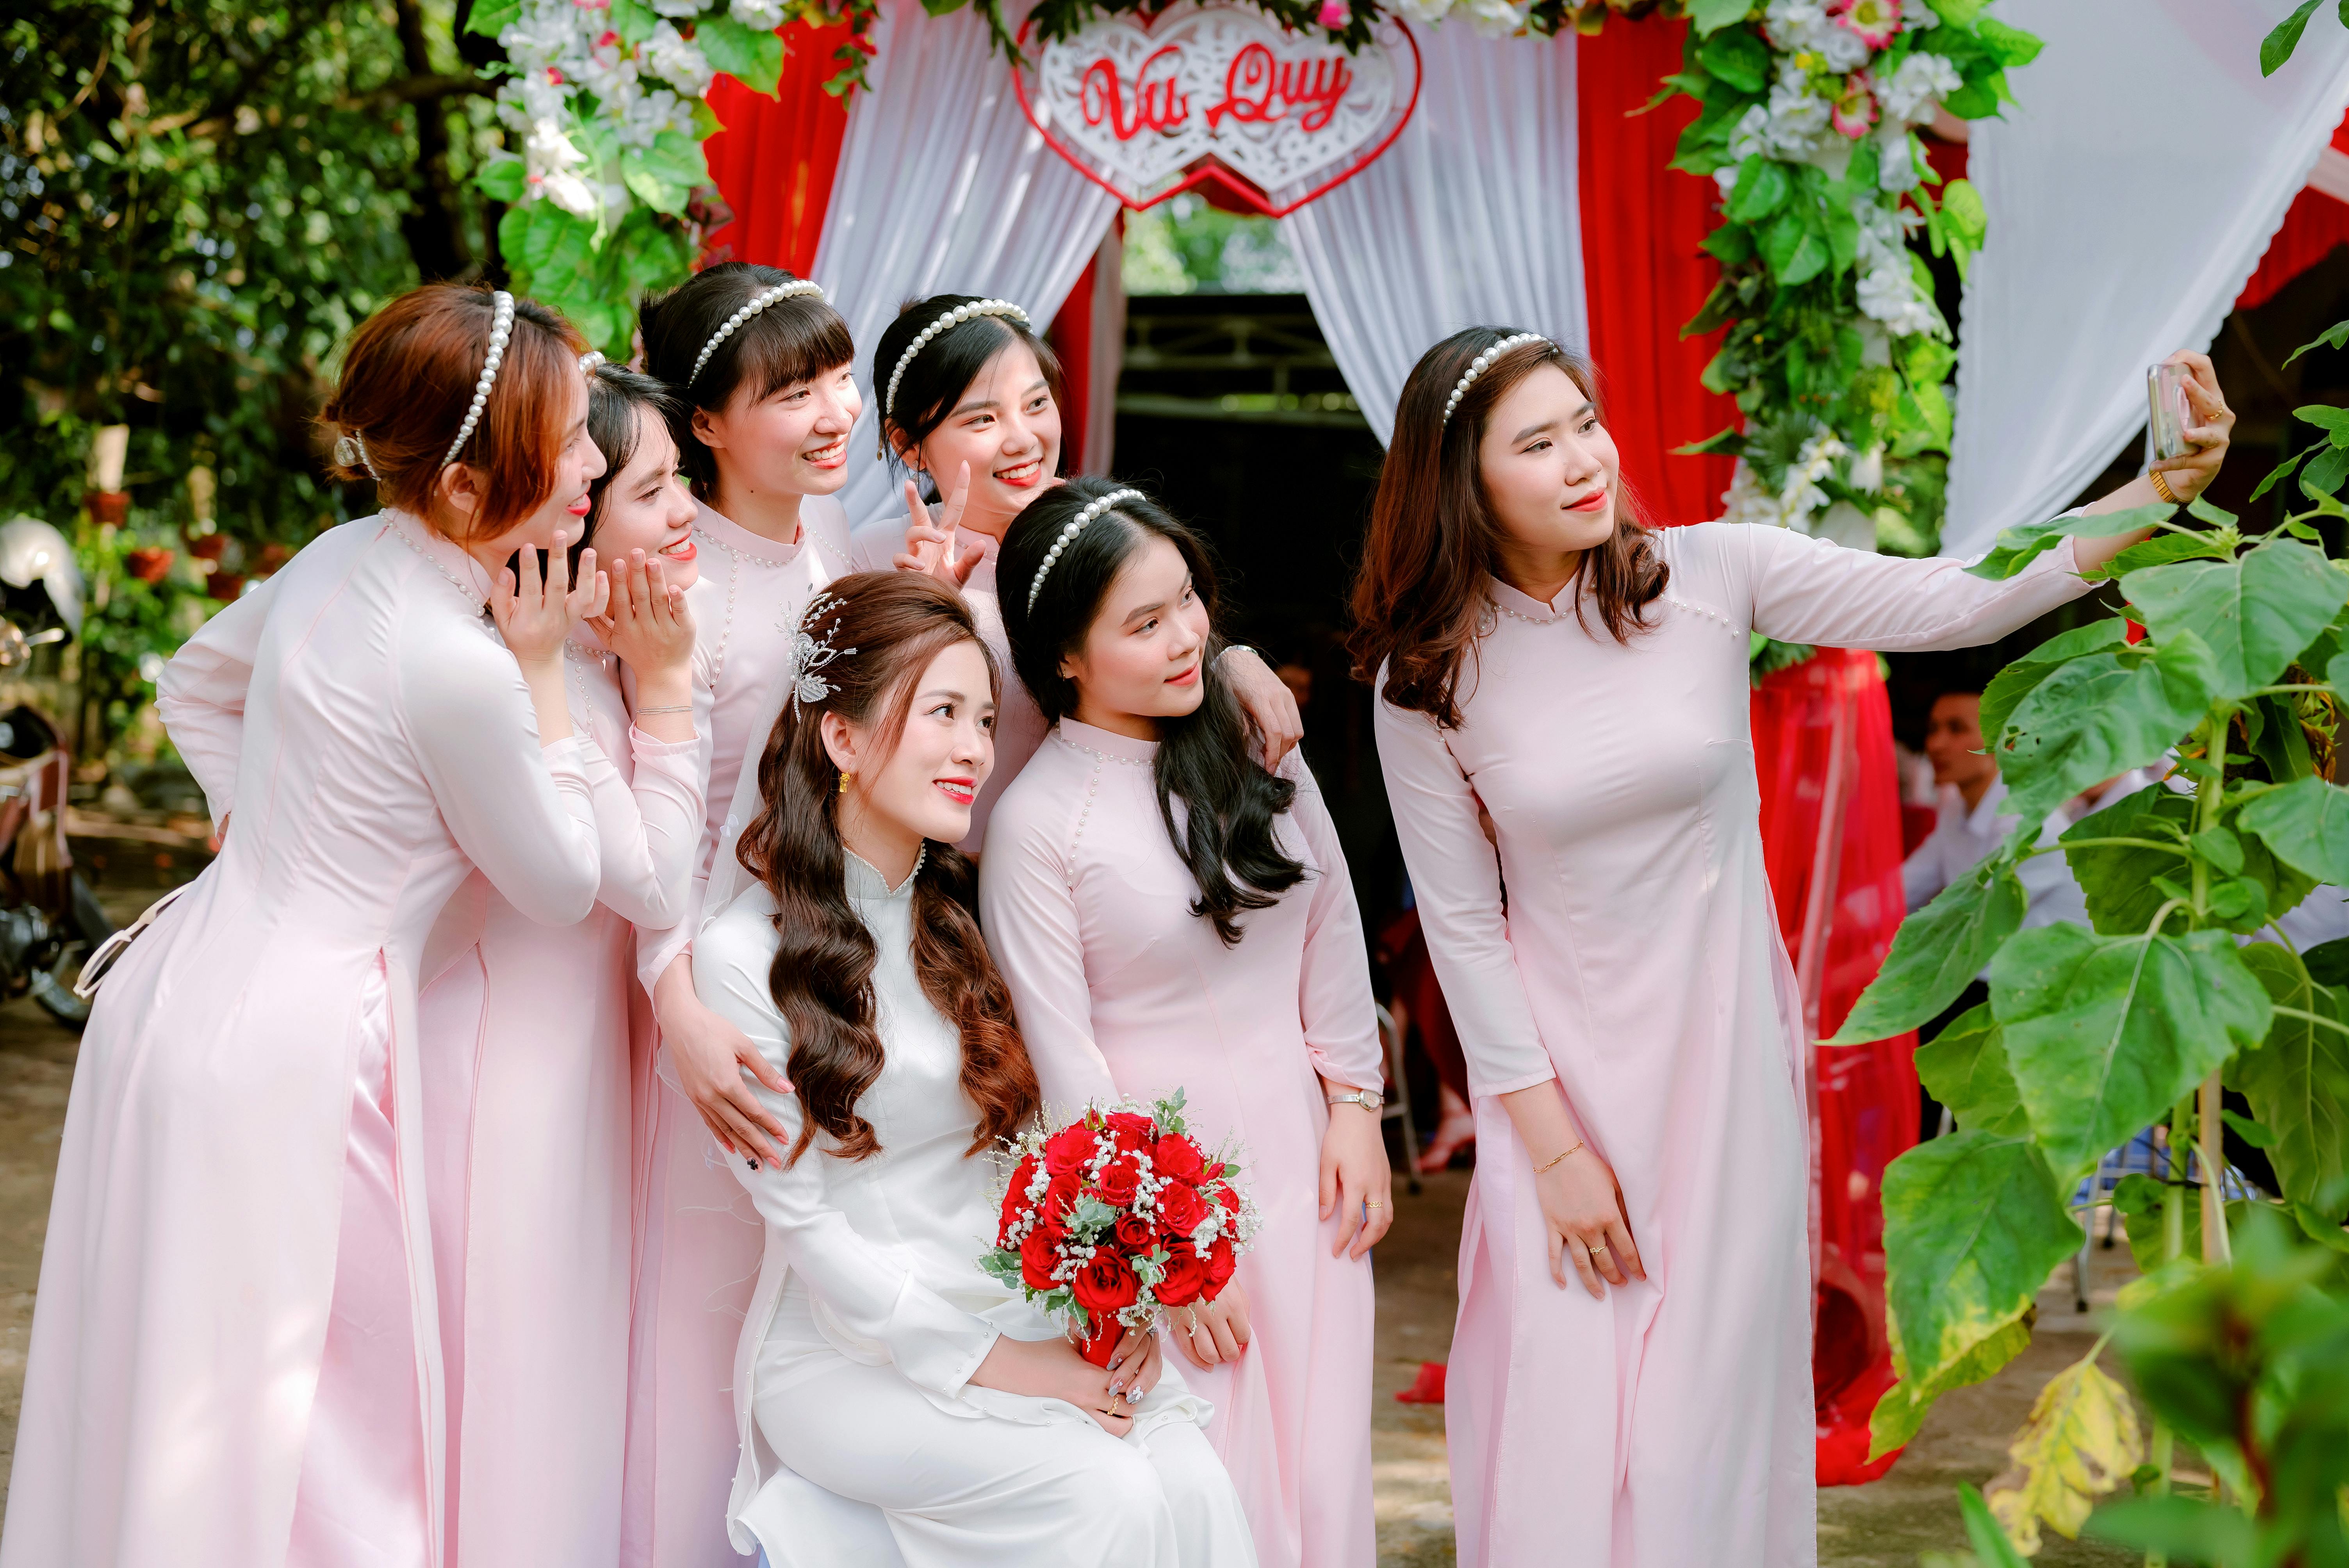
1470	218
2131	189
944	188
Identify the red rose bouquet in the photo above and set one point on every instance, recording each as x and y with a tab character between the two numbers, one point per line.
1116	1215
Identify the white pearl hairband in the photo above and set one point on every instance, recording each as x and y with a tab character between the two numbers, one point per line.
750	307
1075	526
953	318
591	360
1483	363
351	452
501	316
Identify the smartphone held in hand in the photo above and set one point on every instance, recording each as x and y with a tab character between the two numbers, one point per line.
2167	416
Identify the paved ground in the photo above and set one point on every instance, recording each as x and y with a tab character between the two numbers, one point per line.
1911	1510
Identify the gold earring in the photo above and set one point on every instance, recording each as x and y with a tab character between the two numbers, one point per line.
844	777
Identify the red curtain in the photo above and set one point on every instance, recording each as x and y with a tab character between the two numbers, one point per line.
773	162
1641	269
2311	228
1071	337
1831	839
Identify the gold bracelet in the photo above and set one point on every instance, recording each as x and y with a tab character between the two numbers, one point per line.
1540	1169
2162	487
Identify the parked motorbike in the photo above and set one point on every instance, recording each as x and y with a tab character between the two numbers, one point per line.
50	921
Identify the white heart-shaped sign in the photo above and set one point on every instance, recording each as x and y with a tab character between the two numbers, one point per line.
1203	91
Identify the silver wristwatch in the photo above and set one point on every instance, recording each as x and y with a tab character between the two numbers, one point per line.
1370	1099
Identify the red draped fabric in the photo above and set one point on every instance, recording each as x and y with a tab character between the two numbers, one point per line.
773	162
2311	228
1642	271
1071	337
1831	839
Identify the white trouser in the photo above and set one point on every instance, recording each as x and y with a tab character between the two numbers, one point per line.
979	1492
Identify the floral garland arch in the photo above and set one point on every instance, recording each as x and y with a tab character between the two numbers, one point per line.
1835	351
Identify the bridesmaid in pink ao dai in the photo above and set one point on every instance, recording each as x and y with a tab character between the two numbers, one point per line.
235	1360
1629	1377
761	367
537	1046
1169	916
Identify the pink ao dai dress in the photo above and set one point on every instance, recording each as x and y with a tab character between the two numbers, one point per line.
538	1047
1121	990
235	1360
1637	961
699	1246
1019	723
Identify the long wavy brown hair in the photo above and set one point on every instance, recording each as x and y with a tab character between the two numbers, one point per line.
1419	603
822	978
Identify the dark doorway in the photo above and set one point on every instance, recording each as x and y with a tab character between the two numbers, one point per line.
1231	410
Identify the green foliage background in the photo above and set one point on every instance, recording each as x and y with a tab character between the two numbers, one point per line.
198	201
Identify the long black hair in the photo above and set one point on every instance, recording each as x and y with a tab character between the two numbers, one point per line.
1205	759
822	978
795	339
942	372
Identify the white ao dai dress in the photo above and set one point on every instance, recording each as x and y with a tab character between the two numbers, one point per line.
1637	961
235	1361
872	1314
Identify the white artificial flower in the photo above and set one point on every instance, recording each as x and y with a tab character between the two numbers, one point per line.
1899	169
1751	134
1867	470
669	57
1798	119
1801	496
551	165
1916	16
1911	92
1747	502
1426	12
1497	18
766	16
1724	179
1843	49
683	10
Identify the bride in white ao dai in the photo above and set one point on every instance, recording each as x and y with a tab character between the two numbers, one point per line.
895	1402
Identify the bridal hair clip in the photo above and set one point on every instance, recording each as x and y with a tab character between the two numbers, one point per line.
953	318
750	307
351	452
1075	526
591	361
1483	363
803	671
501	313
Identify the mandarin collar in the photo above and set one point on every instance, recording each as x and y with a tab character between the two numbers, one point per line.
1107	742
732	535
443	553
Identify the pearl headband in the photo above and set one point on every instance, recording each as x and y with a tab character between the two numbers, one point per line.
750	307
1483	363
953	318
591	361
501	316
1075	526
351	452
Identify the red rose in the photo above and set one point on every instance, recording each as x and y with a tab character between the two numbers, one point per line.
1106	1284
1068	1150
1212	1171
1220	1263
1229	1198
1038	1260
1135	1234
1178	1157
1184	1279
1059	1200
1181	1208
1119	1181
1130	1131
